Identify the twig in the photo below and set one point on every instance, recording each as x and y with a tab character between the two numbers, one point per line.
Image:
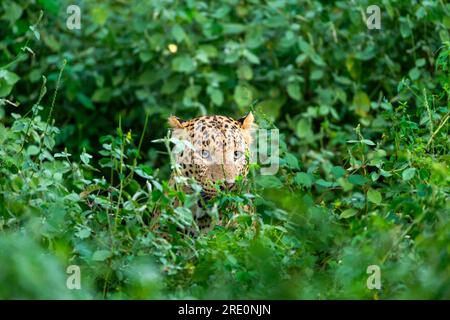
54	96
437	130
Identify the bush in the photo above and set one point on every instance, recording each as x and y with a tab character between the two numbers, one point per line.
363	176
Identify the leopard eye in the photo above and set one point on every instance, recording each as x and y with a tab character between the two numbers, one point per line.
237	154
205	154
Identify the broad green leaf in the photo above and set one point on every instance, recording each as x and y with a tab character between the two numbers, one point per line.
414	74
303	179
243	96
374	196
101	255
245	72
348	213
84	233
185	214
303	129
184	64
85	157
271	107
99	14
408	174
361	103
7	81
324	183
368	142
269	182
35	32
291	161
357	179
252	58
317	74
293	90
178	33
216	96
32	150
405	29
338	172
12	12
233	28
102	95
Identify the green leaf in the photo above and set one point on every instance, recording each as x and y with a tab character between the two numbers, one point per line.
405	29
251	57
374	196
317	74
12	12
357	179
85	157
348	213
84	233
233	28
7	81
293	90
408	174
271	107
170	86
185	214
32	150
184	64
368	142
85	101
367	54
243	96
414	74
338	171
99	14
303	129
361	103
216	96
245	72
303	179
49	142
420	62
73	197
101	255
35	32
102	95
324	183
291	161
385	173
269	182
231	259
178	33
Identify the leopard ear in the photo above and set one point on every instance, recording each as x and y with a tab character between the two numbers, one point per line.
247	121
175	122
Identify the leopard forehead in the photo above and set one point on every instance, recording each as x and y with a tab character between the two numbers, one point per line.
212	122
215	131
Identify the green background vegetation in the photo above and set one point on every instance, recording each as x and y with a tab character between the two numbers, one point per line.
364	164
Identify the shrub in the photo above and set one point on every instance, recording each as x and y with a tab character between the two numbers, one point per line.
363	176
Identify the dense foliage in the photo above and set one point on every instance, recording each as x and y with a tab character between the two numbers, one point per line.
364	162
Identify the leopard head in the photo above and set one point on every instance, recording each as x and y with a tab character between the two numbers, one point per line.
216	149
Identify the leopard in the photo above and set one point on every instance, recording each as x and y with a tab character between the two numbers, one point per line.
215	152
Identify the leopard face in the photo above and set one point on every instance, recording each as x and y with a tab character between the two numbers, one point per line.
216	149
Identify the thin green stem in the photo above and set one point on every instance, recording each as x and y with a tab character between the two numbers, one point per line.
58	82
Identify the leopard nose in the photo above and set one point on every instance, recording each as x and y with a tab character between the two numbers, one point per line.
227	185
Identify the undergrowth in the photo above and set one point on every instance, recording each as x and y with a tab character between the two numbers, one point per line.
368	196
